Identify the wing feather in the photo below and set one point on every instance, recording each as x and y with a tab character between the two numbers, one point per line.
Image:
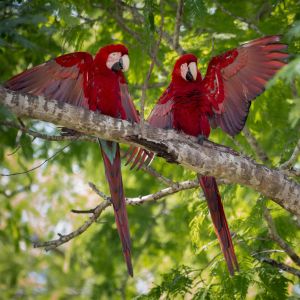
61	78
244	73
127	104
160	117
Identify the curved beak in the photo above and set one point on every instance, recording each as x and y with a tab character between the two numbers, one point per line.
191	74
122	64
125	62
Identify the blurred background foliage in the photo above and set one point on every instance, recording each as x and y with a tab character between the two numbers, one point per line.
175	251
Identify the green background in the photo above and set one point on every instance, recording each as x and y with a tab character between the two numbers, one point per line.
175	251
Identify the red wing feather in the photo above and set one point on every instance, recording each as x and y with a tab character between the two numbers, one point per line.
235	78
127	104
160	117
64	78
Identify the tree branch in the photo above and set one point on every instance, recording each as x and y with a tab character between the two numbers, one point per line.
261	155
39	165
276	238
138	17
244	20
96	212
154	52
207	159
178	24
49	245
121	23
61	138
289	163
160	177
279	265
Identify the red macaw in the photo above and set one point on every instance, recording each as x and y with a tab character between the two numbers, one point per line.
223	98
97	84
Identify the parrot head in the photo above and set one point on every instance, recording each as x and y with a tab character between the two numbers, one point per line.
113	57
186	69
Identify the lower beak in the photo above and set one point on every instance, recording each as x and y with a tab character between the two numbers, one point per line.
189	76
118	66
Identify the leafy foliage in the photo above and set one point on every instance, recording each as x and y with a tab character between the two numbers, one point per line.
175	251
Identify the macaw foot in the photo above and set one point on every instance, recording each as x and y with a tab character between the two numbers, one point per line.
201	138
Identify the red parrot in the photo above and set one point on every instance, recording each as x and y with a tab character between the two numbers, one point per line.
97	84
223	98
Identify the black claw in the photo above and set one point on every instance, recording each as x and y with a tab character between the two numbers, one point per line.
201	138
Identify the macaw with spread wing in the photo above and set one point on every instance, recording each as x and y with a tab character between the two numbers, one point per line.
223	98
97	84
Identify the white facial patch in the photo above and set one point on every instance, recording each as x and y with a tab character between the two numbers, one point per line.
183	70
113	58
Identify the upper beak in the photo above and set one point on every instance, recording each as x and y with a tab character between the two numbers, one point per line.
191	74
125	62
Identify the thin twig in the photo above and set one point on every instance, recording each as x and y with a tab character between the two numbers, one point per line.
38	166
11	194
279	265
121	23
98	192
65	238
15	150
276	237
175	188
260	153
212	47
153	85
177	24
239	146
289	163
51	138
138	17
96	212
244	20
160	177
154	58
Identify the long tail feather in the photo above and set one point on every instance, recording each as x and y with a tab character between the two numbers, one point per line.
212	195
112	162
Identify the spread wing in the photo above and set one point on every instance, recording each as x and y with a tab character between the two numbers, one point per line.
64	78
160	117
235	78
127	104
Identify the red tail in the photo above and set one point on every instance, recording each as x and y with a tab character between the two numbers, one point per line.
112	163
212	195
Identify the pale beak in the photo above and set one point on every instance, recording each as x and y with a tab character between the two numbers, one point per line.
192	71
125	62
